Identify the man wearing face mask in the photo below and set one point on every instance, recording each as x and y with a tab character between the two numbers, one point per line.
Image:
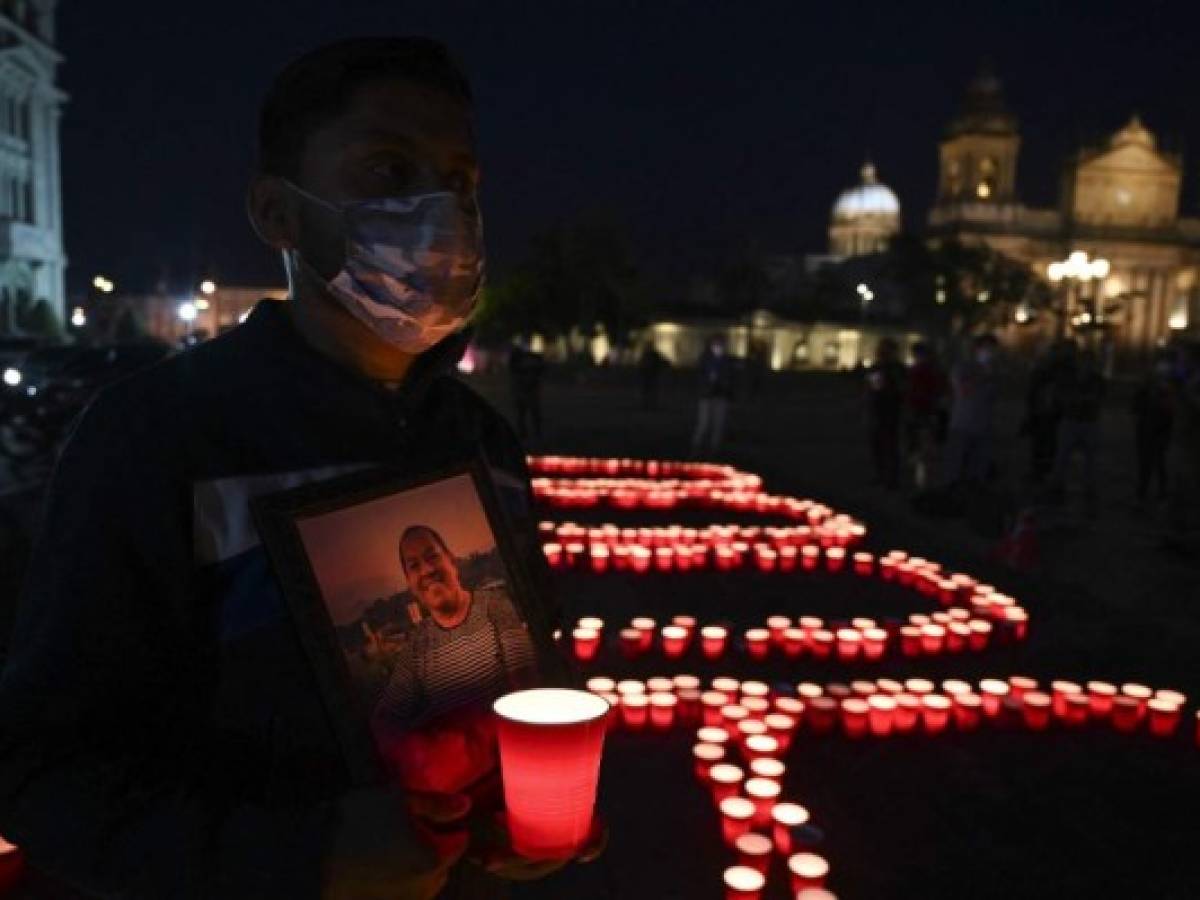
161	734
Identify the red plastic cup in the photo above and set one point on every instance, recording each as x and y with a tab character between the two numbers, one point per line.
674	641
994	692
767	767
981	633
919	686
646	628
1077	709
662	710
712	641
1060	690
711	704
935	713
1100	696
1019	685
908	712
1164	716
785	818
743	883
725	780
587	643
706	756
849	644
737	814
1035	709
631	642
874	643
881	714
758	643
1126	713
968	711
821	643
808	870
1138	692
933	639
550	742
764	794
911	643
714	734
754	851
635	711
855	714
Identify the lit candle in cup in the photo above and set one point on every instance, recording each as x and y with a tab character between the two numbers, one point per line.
737	813
933	638
631	642
634	710
646	626
822	714
821	642
808	870
1164	715
935	712
1140	693
786	817
782	727
874	643
767	767
849	643
711	704
674	641
757	746
764	794
758	643
855	713
550	743
601	685
706	756
743	883
713	734
725	780
993	691
881	714
911	643
1126	713
968	711
662	710
712	641
1035	708
1100	695
754	851
793	642
1060	690
1018	685
908	712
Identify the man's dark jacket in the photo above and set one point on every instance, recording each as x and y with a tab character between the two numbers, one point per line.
161	734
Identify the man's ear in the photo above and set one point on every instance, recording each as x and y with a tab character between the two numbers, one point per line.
273	212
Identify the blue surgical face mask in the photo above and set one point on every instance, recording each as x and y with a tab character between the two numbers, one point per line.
413	265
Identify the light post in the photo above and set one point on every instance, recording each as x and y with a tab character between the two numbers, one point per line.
187	312
1069	272
866	295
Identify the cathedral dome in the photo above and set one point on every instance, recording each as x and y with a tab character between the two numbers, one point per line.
1134	133
870	198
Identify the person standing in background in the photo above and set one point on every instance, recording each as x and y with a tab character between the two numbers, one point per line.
1043	410
928	388
1183	508
885	401
975	387
650	367
1082	394
716	389
1154	412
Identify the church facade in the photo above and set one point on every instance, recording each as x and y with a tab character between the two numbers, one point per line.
1119	202
32	261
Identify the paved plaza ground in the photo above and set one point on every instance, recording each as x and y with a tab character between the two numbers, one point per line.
993	814
997	814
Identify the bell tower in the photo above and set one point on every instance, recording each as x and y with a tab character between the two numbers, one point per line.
978	155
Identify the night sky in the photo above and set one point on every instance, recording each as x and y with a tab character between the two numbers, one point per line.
701	127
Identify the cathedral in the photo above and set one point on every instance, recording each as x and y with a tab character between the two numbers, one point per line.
32	262
1118	209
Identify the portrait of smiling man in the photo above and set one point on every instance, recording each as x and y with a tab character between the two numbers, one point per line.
155	686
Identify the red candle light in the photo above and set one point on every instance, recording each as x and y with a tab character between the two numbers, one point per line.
765	558
764	794
889	686
835	559
881	714
674	641
777	625
1140	693
1100	695
634	710
1126	713
808	870
726	781
935	713
755	689
1165	716
782	727
849	644
767	767
754	851
743	883
968	711
887	569
711	704
919	686
807	690
786	817
706	756
958	637
1035	708
793	642
822	714
662	710
821	641
600	558
911	643
749	727
12	867
712	641
855	713
601	685
550	743
727	685
864	563
685	683
874	643
757	706
758	643
993	691
1076	709
933	638
731	714
736	815
908	712
587	644
554	554
631	642
758	746
646	628
713	734
789	706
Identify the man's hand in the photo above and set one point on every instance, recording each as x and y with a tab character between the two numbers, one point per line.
381	847
501	860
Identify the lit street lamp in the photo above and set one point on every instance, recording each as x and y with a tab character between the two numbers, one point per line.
1075	269
78	317
103	285
188	312
867	295
208	287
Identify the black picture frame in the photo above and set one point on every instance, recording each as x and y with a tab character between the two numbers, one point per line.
277	517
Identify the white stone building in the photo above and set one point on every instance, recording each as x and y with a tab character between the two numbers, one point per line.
32	261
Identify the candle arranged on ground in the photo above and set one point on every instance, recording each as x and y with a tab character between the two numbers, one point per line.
551	740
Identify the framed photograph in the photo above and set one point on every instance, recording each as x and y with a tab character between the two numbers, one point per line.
416	614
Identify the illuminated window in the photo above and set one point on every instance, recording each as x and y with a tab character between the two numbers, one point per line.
831	352
983	190
800	353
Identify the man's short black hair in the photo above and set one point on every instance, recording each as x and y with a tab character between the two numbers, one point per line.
430	533
318	87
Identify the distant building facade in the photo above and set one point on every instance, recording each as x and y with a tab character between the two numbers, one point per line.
32	260
865	217
1118	201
